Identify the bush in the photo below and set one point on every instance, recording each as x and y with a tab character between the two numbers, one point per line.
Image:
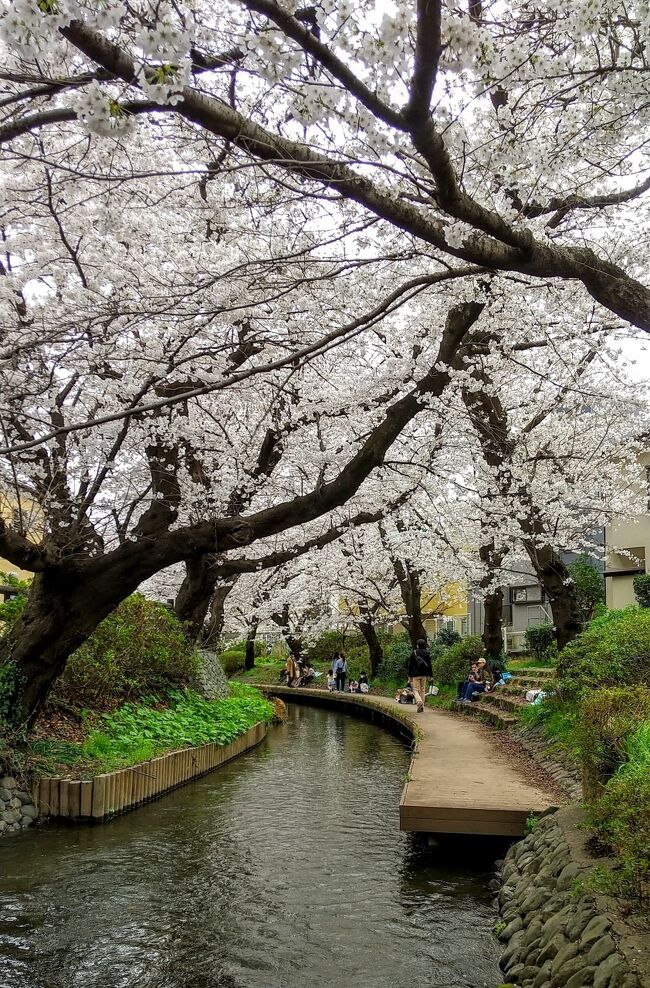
138	650
588	586
232	660
396	656
539	640
613	651
447	637
609	717
641	584
10	610
452	665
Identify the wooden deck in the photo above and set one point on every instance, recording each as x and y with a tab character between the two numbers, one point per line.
458	781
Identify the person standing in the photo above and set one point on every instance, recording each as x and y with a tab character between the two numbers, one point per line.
419	670
340	668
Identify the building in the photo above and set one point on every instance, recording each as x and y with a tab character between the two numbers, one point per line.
22	514
627	544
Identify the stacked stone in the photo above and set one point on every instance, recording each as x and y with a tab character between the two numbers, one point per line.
17	810
534	741
554	935
212	681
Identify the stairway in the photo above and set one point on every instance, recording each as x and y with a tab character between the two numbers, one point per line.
502	707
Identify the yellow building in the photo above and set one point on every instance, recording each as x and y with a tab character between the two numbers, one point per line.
627	545
447	608
24	515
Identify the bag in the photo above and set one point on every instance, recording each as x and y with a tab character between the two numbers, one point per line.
432	691
406	697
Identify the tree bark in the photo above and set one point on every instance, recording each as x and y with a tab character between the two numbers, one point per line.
492	600
195	595
556	580
217	615
375	650
249	658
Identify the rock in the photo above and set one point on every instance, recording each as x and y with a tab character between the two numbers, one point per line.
600	950
494	885
556	924
582	979
552	948
534	902
515	972
15	803
619	977
511	929
571	967
579	922
10	816
594	930
5	795
30	811
607	969
7	782
24	797
26	821
564	954
543	975
568	875
511	949
3	826
533	932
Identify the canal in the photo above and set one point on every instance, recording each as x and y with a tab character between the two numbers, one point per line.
284	869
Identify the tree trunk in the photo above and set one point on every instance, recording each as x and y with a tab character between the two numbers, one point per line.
375	650
249	659
213	628
63	609
294	643
195	595
554	577
411	591
492	600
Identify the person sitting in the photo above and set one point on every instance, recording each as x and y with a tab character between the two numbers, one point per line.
362	678
471	678
405	695
353	686
331	681
482	683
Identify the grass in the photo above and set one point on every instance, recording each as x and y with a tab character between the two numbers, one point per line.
136	732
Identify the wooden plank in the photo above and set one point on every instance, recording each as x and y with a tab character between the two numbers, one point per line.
54	796
64	803
86	799
74	800
98	810
44	797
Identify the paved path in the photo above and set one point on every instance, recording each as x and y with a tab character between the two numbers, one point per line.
458	781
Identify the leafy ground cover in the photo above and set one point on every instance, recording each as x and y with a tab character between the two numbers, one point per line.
138	731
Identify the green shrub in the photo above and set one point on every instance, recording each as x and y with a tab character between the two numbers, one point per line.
539	640
396	656
608	719
447	637
138	650
614	650
10	610
232	660
621	818
588	586
452	665
641	583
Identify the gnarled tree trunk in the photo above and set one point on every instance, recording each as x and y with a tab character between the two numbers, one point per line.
376	652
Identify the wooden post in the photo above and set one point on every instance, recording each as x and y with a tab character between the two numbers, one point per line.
74	800
54	797
86	799
64	802
44	797
99	797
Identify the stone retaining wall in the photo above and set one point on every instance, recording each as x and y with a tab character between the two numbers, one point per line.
565	772
17	809
557	934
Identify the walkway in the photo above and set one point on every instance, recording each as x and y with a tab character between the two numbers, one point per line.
458	781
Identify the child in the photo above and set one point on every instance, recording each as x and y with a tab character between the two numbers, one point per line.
331	681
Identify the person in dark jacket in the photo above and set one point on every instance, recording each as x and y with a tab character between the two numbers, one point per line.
419	670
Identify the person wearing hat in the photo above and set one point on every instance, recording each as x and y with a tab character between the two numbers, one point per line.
483	681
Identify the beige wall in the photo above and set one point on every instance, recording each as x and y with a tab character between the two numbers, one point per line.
632	534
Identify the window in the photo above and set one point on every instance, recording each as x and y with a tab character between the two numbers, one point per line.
520	595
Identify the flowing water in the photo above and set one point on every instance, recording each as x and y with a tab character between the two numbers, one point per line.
284	869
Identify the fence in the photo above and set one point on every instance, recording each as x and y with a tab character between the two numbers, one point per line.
127	788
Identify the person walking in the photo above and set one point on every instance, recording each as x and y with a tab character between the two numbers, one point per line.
419	670
340	668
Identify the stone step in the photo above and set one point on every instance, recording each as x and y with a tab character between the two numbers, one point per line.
497	718
548	672
530	682
511	704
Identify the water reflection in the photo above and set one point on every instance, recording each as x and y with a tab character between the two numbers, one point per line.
285	868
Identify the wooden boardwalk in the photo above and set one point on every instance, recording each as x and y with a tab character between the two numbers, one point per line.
458	781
